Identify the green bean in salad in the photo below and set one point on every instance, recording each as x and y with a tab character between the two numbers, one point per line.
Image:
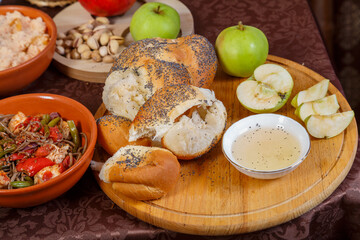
21	184
74	134
9	149
53	122
45	119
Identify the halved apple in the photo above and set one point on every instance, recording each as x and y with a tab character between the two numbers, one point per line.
267	90
323	106
315	92
327	126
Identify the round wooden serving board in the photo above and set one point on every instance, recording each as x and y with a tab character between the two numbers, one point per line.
213	198
88	70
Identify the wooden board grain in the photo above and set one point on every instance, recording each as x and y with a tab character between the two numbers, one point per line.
213	198
90	71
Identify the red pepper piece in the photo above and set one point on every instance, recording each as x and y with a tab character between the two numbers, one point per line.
47	176
17	156
30	151
55	134
32	165
44	150
65	164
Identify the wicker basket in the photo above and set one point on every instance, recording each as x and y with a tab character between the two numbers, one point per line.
51	3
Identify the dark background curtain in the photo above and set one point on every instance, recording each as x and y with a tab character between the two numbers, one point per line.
339	22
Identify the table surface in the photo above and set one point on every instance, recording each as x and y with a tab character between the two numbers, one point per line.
85	212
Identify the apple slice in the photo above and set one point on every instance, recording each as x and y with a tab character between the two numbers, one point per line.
315	92
327	126
267	90
323	106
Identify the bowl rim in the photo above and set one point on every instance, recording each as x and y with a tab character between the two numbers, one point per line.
268	172
77	165
52	32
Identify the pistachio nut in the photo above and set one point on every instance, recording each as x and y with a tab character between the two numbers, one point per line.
82	48
68	43
95	55
61	35
104	39
74	54
77	42
59	42
60	50
103	51
108	59
86	55
92	43
102	20
119	39
113	47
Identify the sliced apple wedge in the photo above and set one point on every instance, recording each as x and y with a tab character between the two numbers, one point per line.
323	106
327	126
315	92
267	90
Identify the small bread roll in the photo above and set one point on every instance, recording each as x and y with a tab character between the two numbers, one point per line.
149	64
113	133
188	120
141	173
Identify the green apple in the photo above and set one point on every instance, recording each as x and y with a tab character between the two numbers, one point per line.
154	19
314	92
241	49
327	126
267	90
323	106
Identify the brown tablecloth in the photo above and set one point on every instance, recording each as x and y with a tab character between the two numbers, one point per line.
85	212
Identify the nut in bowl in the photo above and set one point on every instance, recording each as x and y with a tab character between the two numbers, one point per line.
28	39
36	105
266	146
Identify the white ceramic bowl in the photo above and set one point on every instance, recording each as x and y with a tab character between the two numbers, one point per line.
266	120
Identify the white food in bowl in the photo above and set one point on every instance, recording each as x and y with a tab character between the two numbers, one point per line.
21	38
273	121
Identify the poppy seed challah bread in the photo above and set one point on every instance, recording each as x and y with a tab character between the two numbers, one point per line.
113	133
188	120
141	173
149	64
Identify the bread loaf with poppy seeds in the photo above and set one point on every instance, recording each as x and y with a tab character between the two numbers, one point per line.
188	120
113	133
150	64
141	173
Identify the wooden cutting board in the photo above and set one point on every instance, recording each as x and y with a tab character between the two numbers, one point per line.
88	70
213	198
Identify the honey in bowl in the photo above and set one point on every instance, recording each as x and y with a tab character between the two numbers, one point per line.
266	148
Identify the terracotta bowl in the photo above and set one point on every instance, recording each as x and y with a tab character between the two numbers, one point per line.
18	77
69	109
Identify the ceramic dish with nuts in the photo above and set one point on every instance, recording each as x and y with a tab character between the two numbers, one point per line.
93	40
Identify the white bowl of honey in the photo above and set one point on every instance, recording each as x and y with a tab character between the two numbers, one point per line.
266	146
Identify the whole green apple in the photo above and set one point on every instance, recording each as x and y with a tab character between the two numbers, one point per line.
241	49
154	19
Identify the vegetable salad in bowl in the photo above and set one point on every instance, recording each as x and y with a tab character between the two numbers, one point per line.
37	148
